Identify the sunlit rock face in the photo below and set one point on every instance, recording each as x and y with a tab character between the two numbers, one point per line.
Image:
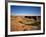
20	23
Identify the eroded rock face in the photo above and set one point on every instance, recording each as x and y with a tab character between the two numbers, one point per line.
17	26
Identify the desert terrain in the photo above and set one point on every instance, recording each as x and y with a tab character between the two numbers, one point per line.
20	23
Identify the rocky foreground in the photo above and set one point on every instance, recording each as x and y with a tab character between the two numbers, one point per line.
17	25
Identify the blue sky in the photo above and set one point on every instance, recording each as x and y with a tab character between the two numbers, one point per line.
36	11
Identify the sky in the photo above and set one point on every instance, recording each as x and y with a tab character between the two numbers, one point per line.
23	10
